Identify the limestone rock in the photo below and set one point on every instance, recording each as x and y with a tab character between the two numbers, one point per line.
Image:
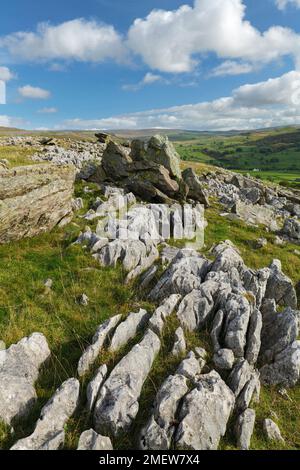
285	369
191	367
128	329
224	359
280	287
94	386
49	430
195	189
161	151
250	392
184	274
292	229
158	432
197	307
157	321
19	370
115	161
90	440
239	376
254	337
117	404
204	414
279	330
103	332
257	214
34	199
272	431
237	315
244	429
216	330
179	343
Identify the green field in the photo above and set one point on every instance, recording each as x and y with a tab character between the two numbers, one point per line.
276	154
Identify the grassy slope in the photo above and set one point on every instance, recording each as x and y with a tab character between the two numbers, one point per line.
26	307
275	153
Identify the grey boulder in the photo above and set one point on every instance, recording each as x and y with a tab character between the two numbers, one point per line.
19	369
204	414
49	431
117	404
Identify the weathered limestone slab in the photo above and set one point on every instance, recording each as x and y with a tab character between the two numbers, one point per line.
117	405
34	199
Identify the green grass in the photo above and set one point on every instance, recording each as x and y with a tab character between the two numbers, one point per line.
17	156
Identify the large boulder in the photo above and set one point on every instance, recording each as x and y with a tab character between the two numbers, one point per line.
161	151
116	161
19	370
34	199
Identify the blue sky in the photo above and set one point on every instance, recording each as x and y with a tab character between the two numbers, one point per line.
203	64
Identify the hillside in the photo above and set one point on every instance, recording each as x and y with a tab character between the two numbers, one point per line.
66	283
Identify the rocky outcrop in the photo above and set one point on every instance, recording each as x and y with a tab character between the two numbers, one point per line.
49	433
34	199
19	369
184	274
151	170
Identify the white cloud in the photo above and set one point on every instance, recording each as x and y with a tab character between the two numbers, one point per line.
282	4
9	121
148	79
174	41
284	90
48	110
6	74
77	39
231	67
169	41
34	93
271	103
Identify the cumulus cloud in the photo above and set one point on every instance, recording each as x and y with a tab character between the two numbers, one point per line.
282	4
271	103
48	110
77	39
148	79
173	41
168	41
284	90
6	74
231	67
34	93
